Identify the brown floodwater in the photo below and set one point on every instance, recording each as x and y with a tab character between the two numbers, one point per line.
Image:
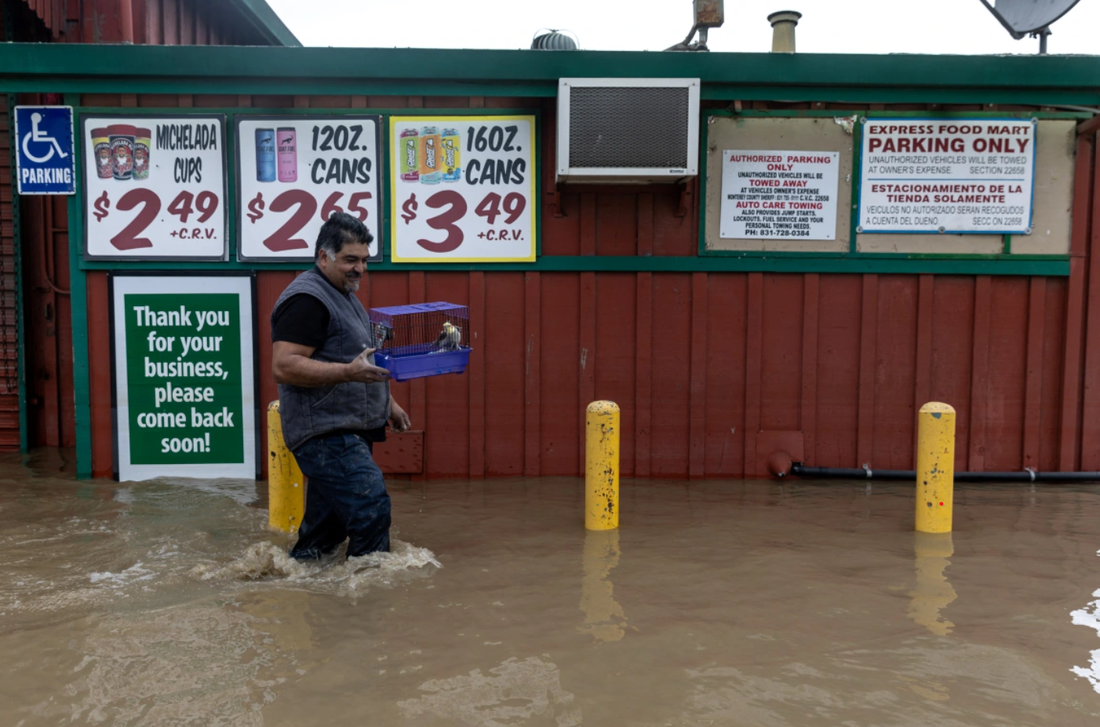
716	603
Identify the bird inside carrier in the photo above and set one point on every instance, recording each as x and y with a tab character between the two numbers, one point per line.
424	339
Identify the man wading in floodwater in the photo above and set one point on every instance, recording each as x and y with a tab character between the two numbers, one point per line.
333	400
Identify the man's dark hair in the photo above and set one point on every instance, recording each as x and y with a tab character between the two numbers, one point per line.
340	229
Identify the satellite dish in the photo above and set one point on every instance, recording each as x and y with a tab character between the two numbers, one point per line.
1025	17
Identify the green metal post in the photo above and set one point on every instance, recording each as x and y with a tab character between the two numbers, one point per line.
857	158
79	301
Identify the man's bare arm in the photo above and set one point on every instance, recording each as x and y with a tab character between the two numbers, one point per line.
291	364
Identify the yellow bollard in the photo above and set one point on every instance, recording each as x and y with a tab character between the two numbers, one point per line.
601	470
935	467
286	502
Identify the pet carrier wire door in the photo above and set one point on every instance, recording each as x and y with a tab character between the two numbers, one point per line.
424	339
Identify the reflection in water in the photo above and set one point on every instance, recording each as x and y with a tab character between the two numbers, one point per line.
603	616
515	692
933	591
1090	616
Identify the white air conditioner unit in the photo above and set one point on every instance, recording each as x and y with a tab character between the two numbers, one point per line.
628	129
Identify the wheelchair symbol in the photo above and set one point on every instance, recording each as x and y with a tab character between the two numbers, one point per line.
39	137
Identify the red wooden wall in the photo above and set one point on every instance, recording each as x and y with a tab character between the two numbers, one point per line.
44	229
9	384
25	27
713	371
155	22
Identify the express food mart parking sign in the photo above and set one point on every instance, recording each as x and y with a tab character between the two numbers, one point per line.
184	378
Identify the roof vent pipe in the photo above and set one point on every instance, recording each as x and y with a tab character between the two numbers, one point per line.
783	24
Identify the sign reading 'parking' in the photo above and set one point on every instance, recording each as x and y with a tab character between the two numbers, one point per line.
44	158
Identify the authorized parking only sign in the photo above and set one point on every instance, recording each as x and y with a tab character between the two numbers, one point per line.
45	163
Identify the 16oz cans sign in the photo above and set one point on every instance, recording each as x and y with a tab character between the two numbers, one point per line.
154	187
944	175
463	188
293	172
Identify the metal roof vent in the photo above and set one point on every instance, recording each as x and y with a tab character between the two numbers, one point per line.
783	24
708	14
554	40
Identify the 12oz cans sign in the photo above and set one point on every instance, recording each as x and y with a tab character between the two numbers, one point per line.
779	195
463	188
293	172
185	397
957	175
154	187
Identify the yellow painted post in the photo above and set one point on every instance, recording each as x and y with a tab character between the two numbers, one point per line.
601	470
286	502
935	467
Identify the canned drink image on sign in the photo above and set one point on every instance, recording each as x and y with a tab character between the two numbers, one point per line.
142	143
323	162
431	161
474	197
165	196
287	145
122	150
410	155
452	156
265	155
101	143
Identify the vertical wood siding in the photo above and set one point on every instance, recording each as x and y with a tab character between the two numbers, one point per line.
155	22
713	370
44	230
9	386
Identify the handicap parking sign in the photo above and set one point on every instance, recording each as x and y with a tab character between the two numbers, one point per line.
45	162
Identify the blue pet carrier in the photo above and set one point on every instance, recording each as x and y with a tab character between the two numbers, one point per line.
424	339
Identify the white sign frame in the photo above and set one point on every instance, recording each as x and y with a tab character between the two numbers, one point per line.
92	186
981	184
250	247
770	167
243	284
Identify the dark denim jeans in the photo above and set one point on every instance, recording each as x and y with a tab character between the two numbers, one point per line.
346	498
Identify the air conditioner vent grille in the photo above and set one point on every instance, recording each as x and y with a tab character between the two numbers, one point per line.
628	127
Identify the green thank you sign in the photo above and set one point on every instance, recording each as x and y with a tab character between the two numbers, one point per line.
184	380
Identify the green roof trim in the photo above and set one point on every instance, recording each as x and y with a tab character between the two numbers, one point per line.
266	22
1033	80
